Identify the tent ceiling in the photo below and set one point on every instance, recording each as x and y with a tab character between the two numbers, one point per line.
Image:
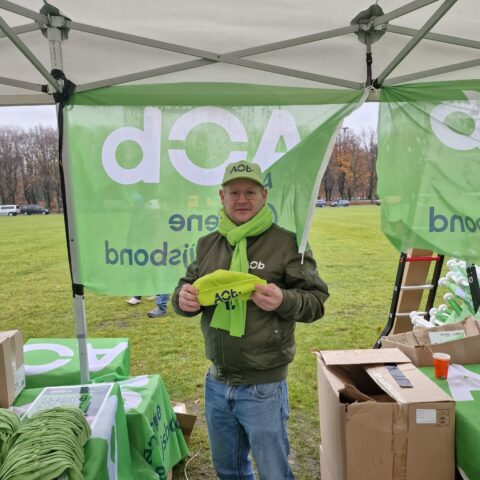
117	41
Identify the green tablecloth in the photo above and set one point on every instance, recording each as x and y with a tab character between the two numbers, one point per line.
138	436
463	385
55	361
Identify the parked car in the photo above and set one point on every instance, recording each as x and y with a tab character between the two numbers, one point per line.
320	203
33	209
340	203
10	210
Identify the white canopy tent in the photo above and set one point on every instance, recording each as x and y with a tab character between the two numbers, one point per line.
264	42
281	42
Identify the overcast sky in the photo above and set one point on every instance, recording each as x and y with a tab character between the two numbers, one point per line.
27	117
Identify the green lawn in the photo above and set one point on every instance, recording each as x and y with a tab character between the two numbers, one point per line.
353	256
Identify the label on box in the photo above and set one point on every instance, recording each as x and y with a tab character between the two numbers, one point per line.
449	336
19	380
426	415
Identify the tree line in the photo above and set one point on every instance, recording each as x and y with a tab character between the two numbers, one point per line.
29	167
351	172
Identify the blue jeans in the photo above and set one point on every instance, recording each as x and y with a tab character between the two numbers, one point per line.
248	417
162	300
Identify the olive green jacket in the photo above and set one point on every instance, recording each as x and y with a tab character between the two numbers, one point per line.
268	345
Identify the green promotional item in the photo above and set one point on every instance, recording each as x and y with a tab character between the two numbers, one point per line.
222	285
429	166
9	424
134	427
147	161
48	445
231	315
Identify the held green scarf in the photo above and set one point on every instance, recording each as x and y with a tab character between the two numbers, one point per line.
232	315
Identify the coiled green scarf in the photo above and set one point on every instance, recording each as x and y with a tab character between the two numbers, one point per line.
232	315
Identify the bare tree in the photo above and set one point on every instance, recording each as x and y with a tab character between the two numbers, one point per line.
371	150
9	163
45	152
29	168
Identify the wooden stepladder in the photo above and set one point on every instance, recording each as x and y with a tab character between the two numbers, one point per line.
410	283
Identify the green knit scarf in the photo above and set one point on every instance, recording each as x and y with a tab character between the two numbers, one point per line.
231	316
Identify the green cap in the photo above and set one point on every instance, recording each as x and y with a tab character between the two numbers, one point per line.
243	169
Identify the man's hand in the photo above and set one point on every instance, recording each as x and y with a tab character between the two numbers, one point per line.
188	298
267	297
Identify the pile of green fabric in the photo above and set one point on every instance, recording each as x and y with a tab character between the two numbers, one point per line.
48	445
9	424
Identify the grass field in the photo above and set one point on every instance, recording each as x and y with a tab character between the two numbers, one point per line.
353	257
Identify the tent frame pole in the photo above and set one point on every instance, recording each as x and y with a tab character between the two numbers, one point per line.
13	37
429	24
28	27
432	72
22	84
54	36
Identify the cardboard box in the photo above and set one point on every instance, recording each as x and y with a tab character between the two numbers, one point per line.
324	468
372	428
417	344
12	369
185	420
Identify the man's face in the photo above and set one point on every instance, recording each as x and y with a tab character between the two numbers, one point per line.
242	199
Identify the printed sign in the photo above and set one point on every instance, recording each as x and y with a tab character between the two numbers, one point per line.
146	164
429	165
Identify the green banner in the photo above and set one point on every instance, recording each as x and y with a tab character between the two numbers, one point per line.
56	361
146	163
429	166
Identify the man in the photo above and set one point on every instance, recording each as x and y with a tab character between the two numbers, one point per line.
246	399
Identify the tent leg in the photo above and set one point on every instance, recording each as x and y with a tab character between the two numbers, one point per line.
55	37
81	331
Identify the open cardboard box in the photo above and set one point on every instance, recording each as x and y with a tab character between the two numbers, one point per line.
373	428
418	346
12	368
186	420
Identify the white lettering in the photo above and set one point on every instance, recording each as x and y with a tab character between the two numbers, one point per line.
281	124
254	265
61	350
100	358
148	170
193	118
448	136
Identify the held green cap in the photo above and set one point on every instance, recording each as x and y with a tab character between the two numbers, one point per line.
243	169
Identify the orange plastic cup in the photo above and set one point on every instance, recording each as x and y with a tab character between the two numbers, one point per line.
440	365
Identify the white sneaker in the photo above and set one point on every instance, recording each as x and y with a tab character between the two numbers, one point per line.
133	301
153	297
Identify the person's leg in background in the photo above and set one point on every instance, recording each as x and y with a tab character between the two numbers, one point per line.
161	306
134	300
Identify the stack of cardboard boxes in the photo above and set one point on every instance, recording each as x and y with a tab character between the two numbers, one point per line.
382	419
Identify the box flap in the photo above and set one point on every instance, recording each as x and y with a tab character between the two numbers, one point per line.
424	390
363	357
7	334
